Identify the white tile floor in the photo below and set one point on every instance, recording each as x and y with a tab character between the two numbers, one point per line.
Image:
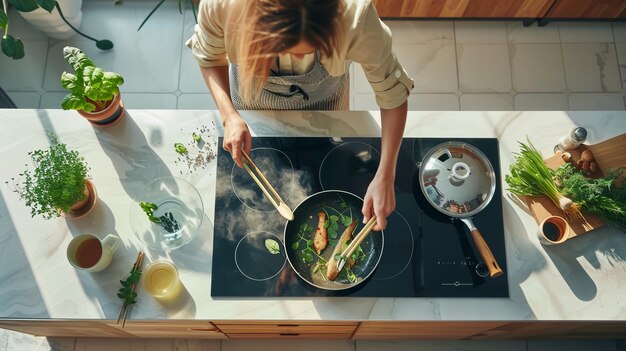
456	65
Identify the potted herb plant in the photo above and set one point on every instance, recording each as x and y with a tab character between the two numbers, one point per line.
58	185
94	93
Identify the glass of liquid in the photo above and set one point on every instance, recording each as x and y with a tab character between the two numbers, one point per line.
160	279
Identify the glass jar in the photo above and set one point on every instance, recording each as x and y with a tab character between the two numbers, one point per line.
572	140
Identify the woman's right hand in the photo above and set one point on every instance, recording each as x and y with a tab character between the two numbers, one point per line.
236	136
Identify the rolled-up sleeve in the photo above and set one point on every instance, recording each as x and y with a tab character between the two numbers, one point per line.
370	45
207	42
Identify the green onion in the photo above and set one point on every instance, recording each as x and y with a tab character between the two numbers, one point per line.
530	176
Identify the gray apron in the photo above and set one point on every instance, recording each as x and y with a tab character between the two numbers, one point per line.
314	90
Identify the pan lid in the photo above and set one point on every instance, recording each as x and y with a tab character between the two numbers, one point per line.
457	179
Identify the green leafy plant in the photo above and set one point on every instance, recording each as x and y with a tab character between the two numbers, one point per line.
11	46
57	183
599	196
91	88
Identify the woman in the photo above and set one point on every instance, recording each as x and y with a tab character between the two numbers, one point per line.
295	54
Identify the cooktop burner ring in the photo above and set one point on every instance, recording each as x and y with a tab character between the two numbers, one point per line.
251	246
389	244
248	188
359	156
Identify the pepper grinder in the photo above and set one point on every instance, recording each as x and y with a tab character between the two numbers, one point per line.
571	140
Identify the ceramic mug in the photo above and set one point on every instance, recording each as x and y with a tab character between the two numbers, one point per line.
88	253
553	230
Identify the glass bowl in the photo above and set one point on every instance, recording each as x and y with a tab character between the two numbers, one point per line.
179	210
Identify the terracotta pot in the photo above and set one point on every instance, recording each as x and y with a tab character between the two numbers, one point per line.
77	206
83	207
112	113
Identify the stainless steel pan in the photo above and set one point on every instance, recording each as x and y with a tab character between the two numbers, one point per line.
458	180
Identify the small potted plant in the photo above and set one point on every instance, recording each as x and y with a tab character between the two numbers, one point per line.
59	185
94	93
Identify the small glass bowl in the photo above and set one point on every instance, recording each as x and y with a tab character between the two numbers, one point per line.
176	199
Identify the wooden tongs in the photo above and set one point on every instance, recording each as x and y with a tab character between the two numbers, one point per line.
267	188
358	239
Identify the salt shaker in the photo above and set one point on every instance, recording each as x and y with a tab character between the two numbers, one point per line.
572	140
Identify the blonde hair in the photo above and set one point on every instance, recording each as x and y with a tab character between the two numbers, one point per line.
273	26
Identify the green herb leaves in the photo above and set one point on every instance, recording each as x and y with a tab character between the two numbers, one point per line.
57	183
126	292
308	252
197	138
332	226
304	229
272	246
180	148
149	208
167	220
598	196
90	87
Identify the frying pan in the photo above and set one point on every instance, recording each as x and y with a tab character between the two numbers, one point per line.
458	180
306	213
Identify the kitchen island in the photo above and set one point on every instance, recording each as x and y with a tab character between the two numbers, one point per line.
573	289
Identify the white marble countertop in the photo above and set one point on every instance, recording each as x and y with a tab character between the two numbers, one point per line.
582	279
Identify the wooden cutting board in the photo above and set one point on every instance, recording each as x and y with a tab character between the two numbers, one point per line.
609	155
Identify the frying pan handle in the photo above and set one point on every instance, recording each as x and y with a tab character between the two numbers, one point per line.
485	253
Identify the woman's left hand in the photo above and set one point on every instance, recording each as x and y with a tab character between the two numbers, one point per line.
380	200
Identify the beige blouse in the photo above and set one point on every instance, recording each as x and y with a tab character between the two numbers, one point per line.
366	40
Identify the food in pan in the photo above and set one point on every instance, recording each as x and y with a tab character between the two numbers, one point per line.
321	234
338	217
331	266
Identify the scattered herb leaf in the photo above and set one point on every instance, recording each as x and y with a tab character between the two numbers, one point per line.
180	148
272	246
149	208
197	138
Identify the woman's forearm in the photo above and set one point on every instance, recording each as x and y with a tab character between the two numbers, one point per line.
393	122
216	79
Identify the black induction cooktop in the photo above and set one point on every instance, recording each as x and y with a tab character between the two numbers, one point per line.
426	254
